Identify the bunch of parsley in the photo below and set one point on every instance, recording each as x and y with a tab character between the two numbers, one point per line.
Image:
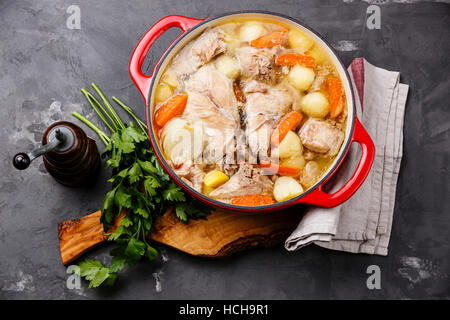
141	190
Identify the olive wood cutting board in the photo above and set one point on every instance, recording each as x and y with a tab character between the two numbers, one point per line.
222	234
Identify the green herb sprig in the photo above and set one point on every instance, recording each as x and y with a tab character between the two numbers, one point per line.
140	188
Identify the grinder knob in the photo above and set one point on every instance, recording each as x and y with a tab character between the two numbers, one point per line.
69	155
21	161
60	139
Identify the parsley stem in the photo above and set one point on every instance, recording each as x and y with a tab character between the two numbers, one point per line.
108	106
91	99
103	136
141	124
144	236
138	231
129	110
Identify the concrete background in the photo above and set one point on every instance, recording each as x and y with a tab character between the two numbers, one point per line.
43	65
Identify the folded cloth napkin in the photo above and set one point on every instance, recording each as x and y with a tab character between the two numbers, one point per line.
363	223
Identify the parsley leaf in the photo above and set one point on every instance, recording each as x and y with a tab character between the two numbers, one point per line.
162	174
96	273
132	133
107	209
135	173
122	142
173	193
117	263
192	209
140	185
126	222
151	253
181	214
122	198
134	251
147	166
150	184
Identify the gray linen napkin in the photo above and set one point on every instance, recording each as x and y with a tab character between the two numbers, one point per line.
363	223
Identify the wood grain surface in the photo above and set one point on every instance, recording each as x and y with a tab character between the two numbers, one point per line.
220	235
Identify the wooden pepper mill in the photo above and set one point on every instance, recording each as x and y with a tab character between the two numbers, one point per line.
69	155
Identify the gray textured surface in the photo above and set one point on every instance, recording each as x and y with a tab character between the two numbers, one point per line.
43	64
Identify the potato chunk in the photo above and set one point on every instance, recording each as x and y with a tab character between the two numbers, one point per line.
299	40
231	41
207	190
289	147
286	188
251	30
215	178
296	161
317	53
170	78
315	105
163	92
301	77
229	66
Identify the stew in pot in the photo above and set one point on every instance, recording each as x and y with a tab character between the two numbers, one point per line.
251	112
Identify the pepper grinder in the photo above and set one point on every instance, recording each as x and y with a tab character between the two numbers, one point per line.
69	155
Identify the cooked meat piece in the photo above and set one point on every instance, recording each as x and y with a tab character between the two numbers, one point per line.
230	169
337	123
257	63
218	128
296	97
238	92
192	174
241	147
322	73
308	155
253	86
197	178
263	112
341	119
199	52
214	84
259	140
189	183
320	136
246	181
209	44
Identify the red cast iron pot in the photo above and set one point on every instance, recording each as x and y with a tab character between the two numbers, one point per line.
191	29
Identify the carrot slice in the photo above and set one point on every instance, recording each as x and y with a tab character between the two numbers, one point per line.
286	124
291	59
271	40
273	168
335	96
173	107
252	200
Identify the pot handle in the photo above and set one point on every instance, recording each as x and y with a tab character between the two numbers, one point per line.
137	58
324	199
